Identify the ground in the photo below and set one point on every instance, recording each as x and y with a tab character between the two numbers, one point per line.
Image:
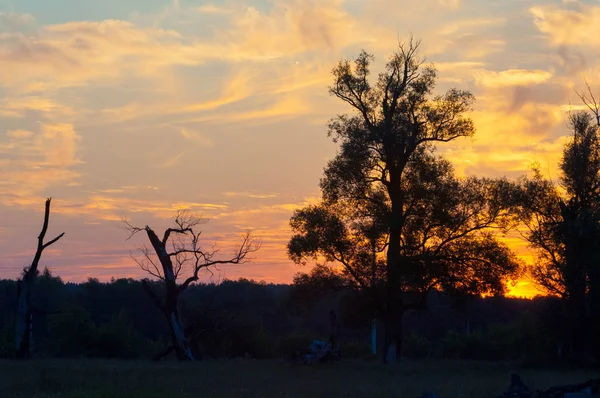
255	378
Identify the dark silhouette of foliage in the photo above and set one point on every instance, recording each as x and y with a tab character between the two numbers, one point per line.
393	213
249	319
563	225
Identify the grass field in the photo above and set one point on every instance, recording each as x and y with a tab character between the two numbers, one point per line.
254	378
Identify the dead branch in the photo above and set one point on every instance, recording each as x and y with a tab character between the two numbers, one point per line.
205	260
186	251
590	101
41	245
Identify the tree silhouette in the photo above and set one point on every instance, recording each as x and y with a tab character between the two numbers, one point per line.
26	285
564	226
179	250
392	209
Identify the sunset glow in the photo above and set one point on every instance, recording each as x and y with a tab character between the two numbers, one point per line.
137	108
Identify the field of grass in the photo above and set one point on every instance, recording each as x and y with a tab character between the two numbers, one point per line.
254	378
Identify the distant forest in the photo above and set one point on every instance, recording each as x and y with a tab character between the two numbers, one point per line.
409	256
250	319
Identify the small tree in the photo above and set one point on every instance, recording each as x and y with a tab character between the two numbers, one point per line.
25	291
179	250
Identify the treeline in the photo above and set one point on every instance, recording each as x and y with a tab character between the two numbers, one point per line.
253	319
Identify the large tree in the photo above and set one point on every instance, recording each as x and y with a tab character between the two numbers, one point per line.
393	210
26	285
178	251
563	224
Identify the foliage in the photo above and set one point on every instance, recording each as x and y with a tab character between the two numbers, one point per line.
259	320
393	213
7	338
563	226
417	347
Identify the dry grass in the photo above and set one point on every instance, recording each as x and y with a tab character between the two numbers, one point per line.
253	378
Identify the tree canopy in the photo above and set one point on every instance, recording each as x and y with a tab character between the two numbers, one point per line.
393	212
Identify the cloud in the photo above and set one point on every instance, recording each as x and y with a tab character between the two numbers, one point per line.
575	26
18	106
197	138
214	9
507	142
250	195
77	53
172	162
512	77
452	4
113	208
238	86
36	161
294	26
16	22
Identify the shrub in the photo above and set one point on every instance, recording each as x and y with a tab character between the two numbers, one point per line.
416	346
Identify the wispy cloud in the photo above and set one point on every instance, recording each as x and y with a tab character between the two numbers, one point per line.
197	138
250	195
512	77
172	162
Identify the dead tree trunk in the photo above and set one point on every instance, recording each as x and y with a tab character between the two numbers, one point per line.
171	310
24	308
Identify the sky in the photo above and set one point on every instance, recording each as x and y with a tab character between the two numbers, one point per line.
135	108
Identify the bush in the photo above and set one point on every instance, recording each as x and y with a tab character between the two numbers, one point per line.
7	338
118	339
462	346
75	335
416	346
292	344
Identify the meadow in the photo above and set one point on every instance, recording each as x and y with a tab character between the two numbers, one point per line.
268	378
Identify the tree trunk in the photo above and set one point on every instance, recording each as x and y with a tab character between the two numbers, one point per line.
575	282
182	349
393	296
594	299
23	321
576	306
392	351
171	310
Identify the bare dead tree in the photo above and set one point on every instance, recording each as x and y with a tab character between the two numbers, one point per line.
25	288
179	251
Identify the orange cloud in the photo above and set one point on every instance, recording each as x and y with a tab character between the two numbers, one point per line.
17	106
36	161
197	138
578	26
511	77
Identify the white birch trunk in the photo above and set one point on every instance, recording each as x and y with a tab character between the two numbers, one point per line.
180	336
